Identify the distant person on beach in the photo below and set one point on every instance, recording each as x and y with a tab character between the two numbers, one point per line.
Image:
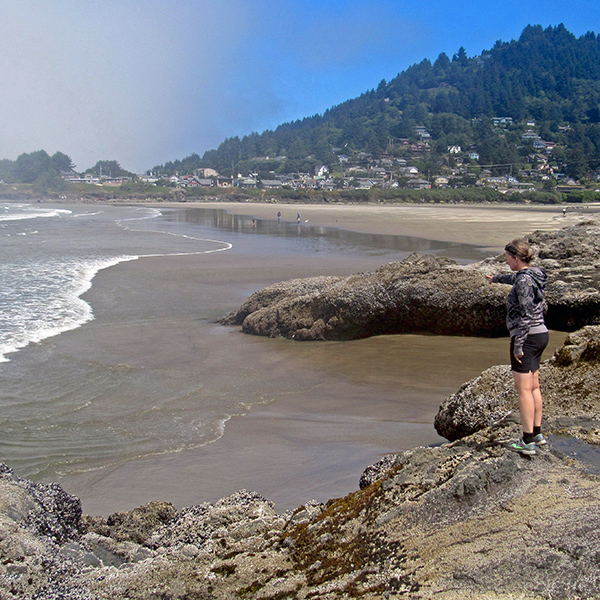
279	215
298	218
565	211
528	338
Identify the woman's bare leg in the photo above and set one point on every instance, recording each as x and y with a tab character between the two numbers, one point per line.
527	399
538	401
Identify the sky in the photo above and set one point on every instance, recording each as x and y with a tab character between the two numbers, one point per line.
147	81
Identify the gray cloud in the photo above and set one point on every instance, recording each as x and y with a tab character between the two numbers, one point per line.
102	80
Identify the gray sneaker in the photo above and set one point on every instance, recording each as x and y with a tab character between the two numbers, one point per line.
522	447
540	440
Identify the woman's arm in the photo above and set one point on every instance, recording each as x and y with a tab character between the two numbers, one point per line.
508	278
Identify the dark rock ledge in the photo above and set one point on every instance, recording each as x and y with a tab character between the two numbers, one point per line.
468	519
429	294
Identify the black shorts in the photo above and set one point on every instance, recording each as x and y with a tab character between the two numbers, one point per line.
533	347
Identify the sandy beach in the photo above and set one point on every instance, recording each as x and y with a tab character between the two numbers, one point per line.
487	226
318	413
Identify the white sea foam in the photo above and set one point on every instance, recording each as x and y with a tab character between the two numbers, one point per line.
151	213
155	213
226	246
41	300
42	284
88	214
20	212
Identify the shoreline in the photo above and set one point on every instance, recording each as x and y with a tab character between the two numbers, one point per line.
489	226
292	447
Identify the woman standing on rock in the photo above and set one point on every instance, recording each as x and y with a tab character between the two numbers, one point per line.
528	338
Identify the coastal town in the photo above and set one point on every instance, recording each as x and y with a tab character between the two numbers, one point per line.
399	167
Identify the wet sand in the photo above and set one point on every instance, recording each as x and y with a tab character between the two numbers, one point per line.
484	225
320	412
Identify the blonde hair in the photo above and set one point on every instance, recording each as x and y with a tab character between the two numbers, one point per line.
519	248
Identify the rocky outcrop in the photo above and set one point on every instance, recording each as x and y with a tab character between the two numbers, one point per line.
429	294
467	519
419	294
464	520
43	510
569	380
37	524
571	257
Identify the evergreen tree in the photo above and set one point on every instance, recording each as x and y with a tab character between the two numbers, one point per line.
108	168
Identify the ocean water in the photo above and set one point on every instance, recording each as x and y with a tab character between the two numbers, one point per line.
57	414
67	413
51	255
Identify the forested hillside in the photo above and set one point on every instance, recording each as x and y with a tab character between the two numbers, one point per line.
544	87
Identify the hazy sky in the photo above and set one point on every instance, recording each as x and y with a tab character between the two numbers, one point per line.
149	81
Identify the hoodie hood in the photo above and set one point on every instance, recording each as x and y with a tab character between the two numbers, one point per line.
538	276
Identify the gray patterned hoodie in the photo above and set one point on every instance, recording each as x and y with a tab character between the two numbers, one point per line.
525	303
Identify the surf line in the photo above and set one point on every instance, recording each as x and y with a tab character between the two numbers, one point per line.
226	245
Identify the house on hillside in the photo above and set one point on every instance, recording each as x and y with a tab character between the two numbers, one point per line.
420	148
522	187
364	184
379	172
408	171
500	182
205	173
327	185
88	178
418	184
247	183
114	181
223	182
530	136
422	132
201	182
147	178
270	184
